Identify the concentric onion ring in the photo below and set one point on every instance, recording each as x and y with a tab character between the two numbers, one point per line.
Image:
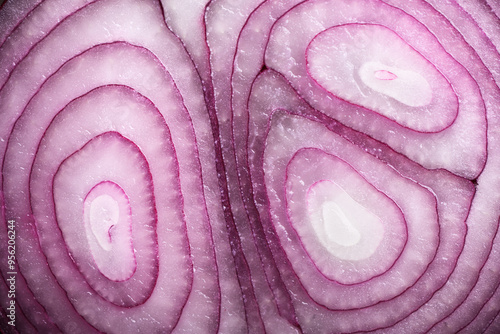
253	166
321	77
115	139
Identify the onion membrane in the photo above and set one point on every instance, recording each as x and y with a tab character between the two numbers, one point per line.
250	166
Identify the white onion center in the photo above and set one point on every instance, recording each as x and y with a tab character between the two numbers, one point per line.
104	214
344	227
397	83
108	229
337	225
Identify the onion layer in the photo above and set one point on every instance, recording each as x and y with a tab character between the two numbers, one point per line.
253	166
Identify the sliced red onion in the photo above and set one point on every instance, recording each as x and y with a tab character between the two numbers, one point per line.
109	232
344	224
377	79
307	43
126	124
302	166
289	43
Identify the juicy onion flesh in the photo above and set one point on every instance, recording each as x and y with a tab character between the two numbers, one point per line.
250	166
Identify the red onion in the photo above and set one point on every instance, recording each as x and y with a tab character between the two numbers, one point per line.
250	166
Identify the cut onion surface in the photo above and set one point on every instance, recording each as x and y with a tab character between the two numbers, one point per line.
114	136
249	166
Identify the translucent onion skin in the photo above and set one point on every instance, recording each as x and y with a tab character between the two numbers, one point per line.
250	166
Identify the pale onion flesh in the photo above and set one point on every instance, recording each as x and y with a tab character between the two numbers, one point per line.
250	166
